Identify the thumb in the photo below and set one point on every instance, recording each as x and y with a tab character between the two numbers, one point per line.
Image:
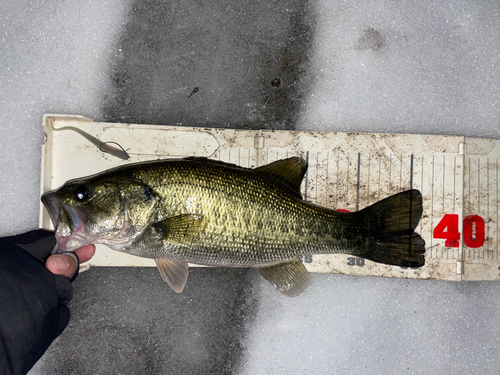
61	264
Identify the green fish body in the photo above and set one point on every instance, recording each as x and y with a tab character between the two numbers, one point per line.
212	213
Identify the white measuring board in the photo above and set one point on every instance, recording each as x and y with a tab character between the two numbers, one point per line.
457	176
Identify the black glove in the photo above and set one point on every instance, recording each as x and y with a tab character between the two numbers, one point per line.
33	301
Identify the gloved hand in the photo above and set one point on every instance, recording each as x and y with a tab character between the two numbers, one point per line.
33	301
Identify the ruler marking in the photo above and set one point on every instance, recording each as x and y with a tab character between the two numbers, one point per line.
307	175
348	175
432	200
468	203
337	192
444	169
400	172
460	254
411	171
478	185
317	181
369	157
442	206
379	178
478	200
390	172
454	180
327	176
357	183
453	197
422	188
488	206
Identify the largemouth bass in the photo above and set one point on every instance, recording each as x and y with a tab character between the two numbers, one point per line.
206	212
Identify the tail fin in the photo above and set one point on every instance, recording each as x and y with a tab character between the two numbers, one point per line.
392	222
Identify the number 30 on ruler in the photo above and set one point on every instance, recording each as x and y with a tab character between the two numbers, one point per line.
473	227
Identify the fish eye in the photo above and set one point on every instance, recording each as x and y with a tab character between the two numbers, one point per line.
81	193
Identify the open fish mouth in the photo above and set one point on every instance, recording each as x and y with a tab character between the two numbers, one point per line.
69	223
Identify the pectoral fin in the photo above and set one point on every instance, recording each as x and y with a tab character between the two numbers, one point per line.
290	278
175	273
179	229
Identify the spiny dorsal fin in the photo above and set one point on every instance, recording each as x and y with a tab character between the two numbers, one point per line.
288	171
202	159
290	277
175	273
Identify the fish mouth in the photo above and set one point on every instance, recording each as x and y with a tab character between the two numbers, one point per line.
69	223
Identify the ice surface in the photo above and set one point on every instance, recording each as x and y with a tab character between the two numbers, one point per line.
379	66
368	325
434	68
54	58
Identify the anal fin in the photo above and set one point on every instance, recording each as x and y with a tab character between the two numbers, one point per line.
175	273
291	277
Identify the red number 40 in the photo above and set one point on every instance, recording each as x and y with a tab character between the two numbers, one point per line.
473	226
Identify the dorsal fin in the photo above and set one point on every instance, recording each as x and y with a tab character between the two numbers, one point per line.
288	171
202	159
